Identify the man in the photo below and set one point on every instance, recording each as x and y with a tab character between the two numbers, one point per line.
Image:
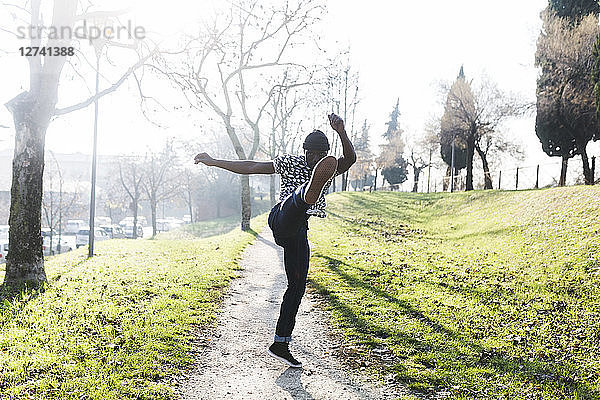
304	182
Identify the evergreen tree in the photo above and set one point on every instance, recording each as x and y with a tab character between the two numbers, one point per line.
360	174
394	166
574	10
396	174
566	119
393	123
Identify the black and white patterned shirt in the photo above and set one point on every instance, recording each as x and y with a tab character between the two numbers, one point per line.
294	172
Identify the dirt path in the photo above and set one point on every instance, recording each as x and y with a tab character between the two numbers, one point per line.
234	365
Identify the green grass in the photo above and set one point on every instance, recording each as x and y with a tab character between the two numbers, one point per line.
202	229
492	295
214	226
117	326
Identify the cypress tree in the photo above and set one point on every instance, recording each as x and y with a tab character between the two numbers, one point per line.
567	91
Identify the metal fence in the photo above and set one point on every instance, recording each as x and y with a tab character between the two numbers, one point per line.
509	178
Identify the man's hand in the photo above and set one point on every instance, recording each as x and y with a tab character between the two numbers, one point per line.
205	159
336	123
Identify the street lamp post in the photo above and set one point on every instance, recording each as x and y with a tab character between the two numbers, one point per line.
98	49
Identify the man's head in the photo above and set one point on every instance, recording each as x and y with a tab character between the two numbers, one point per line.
316	146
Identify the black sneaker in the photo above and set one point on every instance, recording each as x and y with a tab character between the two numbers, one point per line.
281	351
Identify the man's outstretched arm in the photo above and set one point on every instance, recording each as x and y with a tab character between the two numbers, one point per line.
244	167
349	157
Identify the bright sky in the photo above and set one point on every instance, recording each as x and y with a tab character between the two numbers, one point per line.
401	49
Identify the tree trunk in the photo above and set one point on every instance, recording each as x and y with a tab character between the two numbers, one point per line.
272	190
246	208
416	173
446	181
25	261
153	210
375	180
587	171
135	216
470	154
32	111
190	205
345	181
486	169
563	171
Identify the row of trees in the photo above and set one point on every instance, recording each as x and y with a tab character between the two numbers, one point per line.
34	109
471	123
156	178
246	70
239	69
568	104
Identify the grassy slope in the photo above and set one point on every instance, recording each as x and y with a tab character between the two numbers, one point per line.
116	326
202	229
481	294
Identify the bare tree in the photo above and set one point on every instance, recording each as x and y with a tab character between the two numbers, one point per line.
158	180
114	198
252	41
284	131
416	161
189	188
58	202
342	96
32	112
471	113
495	143
131	177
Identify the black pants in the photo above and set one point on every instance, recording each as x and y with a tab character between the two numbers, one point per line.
289	223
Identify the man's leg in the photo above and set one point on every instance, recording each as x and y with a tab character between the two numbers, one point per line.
296	255
296	258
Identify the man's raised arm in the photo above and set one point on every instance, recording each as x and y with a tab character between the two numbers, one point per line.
244	167
349	157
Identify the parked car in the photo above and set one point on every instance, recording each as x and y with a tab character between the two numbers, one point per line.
56	249
128	229
75	225
3	251
102	221
113	231
83	236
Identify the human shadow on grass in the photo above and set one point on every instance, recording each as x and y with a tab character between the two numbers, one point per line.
517	367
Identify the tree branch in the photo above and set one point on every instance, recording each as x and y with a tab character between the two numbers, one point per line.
112	88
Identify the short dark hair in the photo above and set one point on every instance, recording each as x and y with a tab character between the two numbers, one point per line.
316	140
